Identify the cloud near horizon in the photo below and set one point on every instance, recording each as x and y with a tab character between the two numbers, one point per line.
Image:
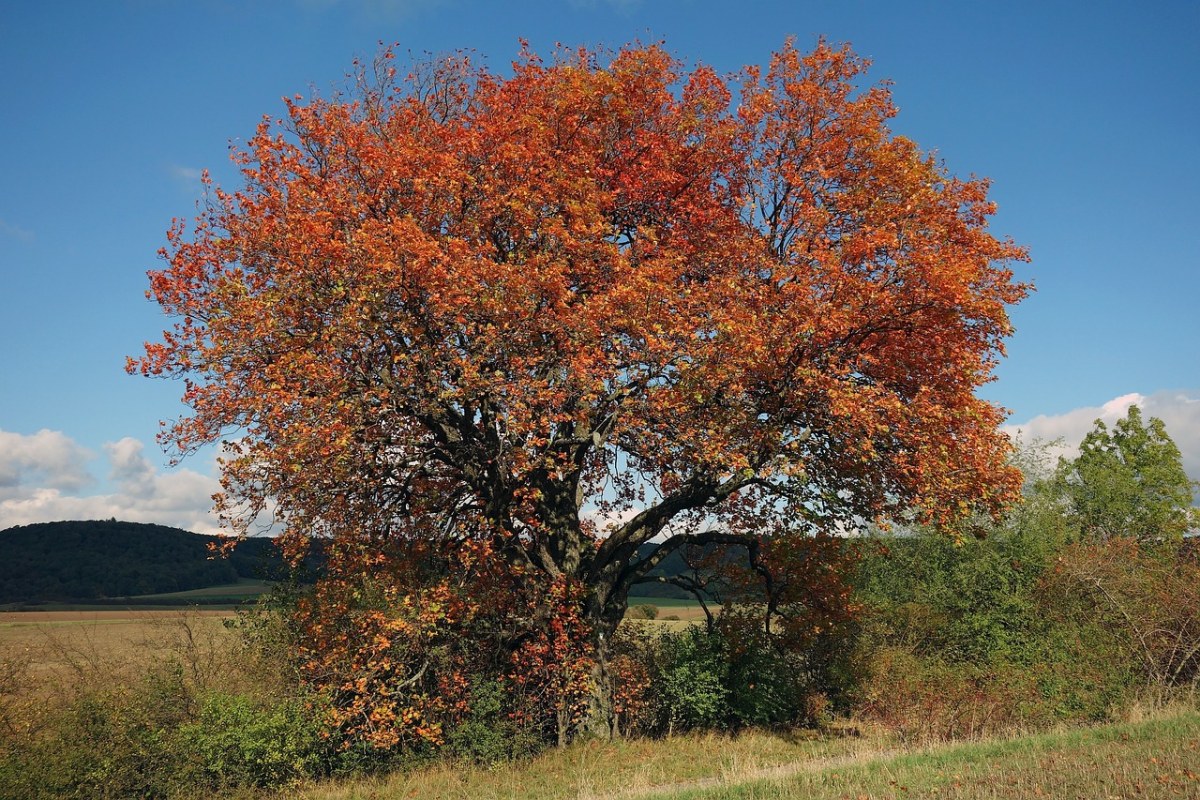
1178	409
43	477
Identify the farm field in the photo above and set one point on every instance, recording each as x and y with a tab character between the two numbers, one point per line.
59	649
243	589
222	598
60	646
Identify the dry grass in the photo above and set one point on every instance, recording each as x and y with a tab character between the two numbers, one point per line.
1156	758
629	769
51	655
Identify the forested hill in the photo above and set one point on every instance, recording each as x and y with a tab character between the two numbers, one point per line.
98	559
87	560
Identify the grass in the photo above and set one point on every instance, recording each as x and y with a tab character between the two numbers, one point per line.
662	602
62	650
1153	758
223	597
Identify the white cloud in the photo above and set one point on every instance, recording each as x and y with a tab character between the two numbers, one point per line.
47	457
186	173
130	469
187	178
607	522
42	476
1178	409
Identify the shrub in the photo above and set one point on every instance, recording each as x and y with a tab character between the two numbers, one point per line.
239	741
730	676
644	611
112	743
489	733
922	699
766	683
1143	598
692	679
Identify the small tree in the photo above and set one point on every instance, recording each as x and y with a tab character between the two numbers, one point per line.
1129	482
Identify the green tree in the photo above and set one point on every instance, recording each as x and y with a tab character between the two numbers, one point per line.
1129	482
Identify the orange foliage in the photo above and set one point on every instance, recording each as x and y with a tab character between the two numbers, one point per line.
395	640
458	306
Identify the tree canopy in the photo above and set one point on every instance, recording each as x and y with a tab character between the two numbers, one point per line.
596	302
1129	481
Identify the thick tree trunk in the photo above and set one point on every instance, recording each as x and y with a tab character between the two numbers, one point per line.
603	613
601	717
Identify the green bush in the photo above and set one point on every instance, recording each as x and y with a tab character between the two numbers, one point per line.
966	638
238	741
158	737
489	733
644	611
692	678
767	684
104	744
732	676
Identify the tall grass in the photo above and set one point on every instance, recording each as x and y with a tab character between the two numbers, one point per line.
149	706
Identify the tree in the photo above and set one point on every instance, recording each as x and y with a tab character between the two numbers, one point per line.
1129	482
590	305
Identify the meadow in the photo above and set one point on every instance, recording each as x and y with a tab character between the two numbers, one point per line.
49	658
1153	757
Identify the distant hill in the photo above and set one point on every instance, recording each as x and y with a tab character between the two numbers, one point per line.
88	560
670	566
108	559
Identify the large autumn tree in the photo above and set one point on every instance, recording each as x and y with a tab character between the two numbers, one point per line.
599	302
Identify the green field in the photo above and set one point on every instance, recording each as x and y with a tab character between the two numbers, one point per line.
244	588
663	602
230	595
225	596
1157	758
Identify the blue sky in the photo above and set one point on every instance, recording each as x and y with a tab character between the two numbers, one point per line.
1085	116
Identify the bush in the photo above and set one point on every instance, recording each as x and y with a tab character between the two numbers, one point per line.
922	699
767	684
727	677
1018	629
692	679
104	744
489	734
644	611
239	741
154	726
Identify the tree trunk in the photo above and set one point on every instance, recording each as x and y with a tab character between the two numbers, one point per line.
601	718
603	619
